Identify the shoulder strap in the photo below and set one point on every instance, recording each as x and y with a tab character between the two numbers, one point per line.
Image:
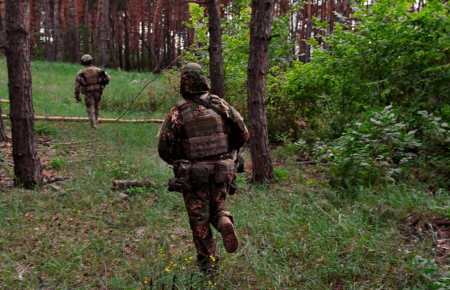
208	105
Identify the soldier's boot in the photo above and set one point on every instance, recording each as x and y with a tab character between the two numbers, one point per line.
229	237
92	121
96	120
91	114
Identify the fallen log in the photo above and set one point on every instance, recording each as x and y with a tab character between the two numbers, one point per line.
4	101
120	184
82	119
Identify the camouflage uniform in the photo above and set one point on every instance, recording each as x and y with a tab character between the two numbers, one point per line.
205	202
88	79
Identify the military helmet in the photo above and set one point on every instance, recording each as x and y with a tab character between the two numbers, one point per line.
193	80
86	59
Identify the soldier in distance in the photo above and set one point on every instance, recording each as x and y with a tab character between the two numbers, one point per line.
92	82
198	137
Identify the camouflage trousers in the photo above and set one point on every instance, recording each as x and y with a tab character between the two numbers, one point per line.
205	206
92	101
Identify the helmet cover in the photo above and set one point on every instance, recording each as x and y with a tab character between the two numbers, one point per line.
193	80
86	59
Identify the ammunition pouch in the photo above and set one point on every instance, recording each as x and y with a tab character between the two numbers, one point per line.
181	181
200	172
224	171
189	175
179	184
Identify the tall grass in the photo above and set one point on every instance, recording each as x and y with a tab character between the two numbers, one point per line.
53	91
295	234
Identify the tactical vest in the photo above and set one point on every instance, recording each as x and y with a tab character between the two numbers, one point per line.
91	76
205	136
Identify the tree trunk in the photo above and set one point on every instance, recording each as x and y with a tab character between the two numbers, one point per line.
57	37
27	166
152	38
119	35
2	14
127	42
2	127
215	49
260	35
86	28
47	30
74	34
112	49
104	31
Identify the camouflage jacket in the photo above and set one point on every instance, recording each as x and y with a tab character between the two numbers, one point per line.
80	82
172	130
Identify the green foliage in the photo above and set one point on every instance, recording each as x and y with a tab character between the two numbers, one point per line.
120	169
386	59
235	45
79	233
159	96
56	163
372	151
280	174
45	129
436	279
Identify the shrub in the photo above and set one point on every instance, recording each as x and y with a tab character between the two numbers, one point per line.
374	150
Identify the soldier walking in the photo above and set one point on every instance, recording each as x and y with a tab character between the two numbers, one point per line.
92	81
199	137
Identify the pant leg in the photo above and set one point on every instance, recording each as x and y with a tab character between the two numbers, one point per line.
90	108
218	203
198	209
97	100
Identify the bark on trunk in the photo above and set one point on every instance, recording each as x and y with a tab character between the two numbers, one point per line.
57	39
86	29
215	49
2	127
2	13
47	44
104	31
260	35
127	43
152	38
27	166
74	35
112	49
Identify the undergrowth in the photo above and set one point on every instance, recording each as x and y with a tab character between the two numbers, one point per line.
298	233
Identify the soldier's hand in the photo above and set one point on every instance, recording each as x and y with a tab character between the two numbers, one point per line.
78	99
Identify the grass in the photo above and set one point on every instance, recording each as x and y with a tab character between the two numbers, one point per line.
295	234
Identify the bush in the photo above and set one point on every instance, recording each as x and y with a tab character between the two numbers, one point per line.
372	151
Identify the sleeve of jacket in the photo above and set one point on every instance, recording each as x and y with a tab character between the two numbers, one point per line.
77	83
107	78
169	148
236	129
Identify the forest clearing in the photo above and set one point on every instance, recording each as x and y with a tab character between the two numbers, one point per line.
339	110
75	231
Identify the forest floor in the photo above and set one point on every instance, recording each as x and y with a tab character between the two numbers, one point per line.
74	231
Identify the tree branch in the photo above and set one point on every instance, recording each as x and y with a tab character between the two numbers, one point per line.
132	101
197	2
275	35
